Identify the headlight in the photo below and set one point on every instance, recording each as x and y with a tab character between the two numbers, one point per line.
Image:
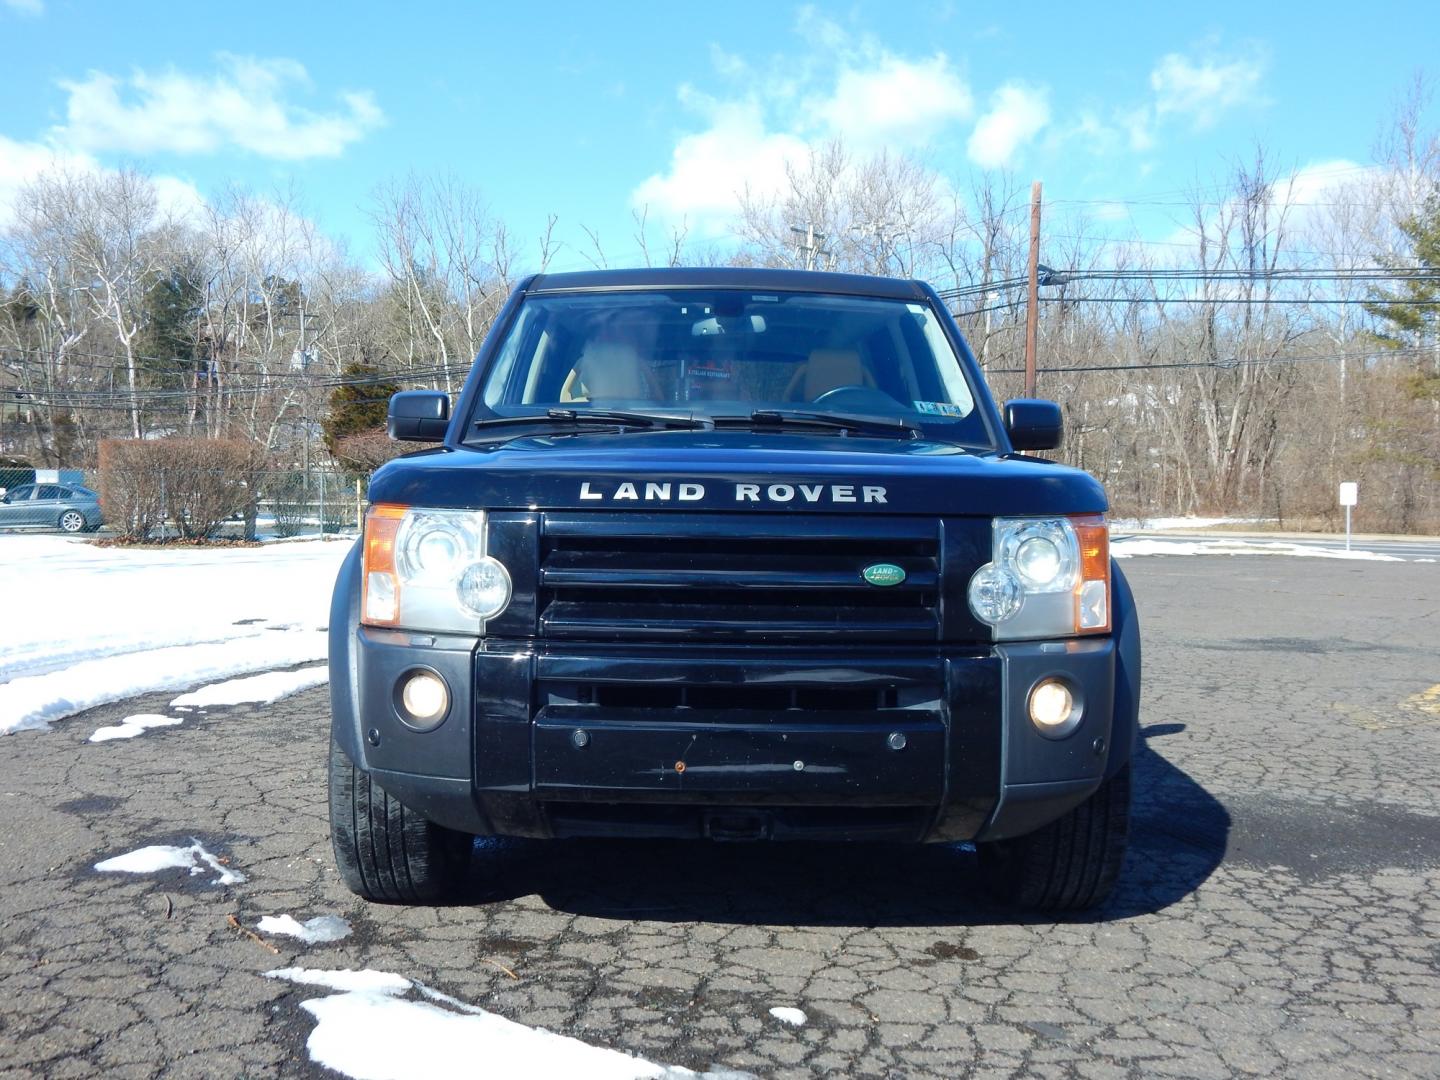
428	570
484	587
1048	577
434	545
1044	553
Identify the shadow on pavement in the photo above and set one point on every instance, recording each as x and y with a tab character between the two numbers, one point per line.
1178	837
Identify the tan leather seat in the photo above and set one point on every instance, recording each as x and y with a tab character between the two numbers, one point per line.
610	369
826	370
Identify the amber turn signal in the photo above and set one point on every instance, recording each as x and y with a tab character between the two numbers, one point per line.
1092	590
380	586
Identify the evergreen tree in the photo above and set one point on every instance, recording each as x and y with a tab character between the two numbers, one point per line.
172	310
1410	313
359	406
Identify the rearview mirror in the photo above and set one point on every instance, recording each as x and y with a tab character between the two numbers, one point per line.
1033	424
418	416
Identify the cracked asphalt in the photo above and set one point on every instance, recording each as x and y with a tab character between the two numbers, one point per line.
1279	913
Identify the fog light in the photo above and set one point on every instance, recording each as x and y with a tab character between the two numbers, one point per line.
424	699
1053	708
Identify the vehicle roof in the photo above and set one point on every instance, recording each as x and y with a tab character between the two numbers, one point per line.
727	277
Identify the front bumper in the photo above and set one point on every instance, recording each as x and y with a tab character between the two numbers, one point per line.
562	739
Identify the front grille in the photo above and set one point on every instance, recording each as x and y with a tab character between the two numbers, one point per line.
736	577
734	703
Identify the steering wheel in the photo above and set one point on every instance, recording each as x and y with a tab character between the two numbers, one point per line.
864	398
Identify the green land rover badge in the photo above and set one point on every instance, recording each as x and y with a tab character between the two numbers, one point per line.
883	573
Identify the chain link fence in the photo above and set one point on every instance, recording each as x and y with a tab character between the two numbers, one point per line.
322	500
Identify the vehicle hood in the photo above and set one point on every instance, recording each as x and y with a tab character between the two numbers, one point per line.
679	471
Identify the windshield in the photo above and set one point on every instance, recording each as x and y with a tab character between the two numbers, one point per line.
726	353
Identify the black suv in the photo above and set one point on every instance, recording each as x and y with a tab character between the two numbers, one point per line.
732	555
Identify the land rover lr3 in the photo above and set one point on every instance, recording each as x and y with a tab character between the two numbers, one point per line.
733	555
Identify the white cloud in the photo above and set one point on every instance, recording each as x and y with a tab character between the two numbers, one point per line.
821	29
22	162
1016	115
856	91
1201	90
710	169
241	104
26	7
893	100
1139	125
1193	89
1316	184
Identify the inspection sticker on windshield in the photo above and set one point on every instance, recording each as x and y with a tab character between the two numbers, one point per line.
939	408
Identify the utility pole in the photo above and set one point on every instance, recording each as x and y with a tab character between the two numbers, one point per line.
810	247
1032	308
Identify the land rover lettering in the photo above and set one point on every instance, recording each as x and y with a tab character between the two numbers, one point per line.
806	493
633	491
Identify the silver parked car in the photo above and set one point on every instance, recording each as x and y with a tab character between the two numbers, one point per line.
51	506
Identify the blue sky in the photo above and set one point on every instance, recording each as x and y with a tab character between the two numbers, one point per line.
590	110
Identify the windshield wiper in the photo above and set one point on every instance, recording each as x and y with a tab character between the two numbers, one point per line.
846	422
567	421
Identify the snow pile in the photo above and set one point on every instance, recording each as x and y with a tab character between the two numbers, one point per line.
1147	524
1122	549
134	725
787	1015
87	625
261	689
372	1026
317	931
34	701
157	857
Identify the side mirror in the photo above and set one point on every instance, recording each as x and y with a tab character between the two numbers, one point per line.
418	416
1033	424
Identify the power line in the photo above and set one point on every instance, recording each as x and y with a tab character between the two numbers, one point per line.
1227	364
1256	301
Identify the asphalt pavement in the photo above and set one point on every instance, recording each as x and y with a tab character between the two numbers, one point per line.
1279	914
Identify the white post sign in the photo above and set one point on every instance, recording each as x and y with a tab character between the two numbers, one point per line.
1349	496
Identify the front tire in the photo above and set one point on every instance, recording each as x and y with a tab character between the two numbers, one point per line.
1072	863
387	852
72	521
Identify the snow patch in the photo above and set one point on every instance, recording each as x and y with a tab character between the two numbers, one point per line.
33	702
264	689
157	857
316	931
1124	549
371	1029
787	1015
241	609
134	725
1143	524
346	980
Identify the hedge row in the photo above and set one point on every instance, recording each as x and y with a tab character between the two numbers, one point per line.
194	483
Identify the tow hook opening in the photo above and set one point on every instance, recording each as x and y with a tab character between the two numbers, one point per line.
736	826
